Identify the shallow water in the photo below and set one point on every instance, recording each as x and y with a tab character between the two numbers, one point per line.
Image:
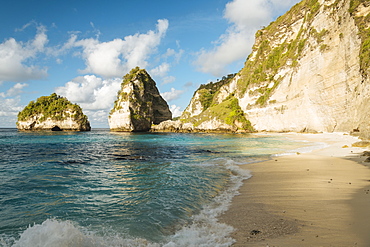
101	188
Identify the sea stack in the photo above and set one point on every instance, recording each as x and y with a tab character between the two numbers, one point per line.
139	104
54	113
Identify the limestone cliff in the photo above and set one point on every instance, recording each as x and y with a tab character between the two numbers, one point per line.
138	104
305	72
207	112
308	71
52	113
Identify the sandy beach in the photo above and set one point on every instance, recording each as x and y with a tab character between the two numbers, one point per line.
321	198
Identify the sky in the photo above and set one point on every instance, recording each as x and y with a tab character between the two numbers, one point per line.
81	49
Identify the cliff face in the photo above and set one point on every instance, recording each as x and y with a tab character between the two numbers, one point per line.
305	74
52	113
212	109
138	104
308	71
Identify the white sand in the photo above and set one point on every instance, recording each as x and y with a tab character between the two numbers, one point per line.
314	199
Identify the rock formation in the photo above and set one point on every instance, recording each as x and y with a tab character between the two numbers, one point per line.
138	104
308	71
54	113
206	114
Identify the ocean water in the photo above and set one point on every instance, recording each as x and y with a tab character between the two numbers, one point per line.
101	188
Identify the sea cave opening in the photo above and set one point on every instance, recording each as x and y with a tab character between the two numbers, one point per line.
56	128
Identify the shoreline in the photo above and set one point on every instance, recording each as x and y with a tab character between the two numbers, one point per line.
321	198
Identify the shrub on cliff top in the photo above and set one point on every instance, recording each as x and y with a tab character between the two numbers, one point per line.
271	54
228	112
207	92
362	22
54	107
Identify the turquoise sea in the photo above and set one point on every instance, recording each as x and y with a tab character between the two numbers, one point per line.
102	188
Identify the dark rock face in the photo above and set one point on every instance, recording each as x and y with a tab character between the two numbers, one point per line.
56	128
139	104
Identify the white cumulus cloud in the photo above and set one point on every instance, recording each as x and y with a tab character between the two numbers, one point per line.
9	108
176	111
91	92
245	18
16	89
10	104
97	118
168	79
95	96
115	58
14	57
172	95
160	70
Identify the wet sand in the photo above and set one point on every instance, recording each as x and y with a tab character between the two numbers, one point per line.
320	198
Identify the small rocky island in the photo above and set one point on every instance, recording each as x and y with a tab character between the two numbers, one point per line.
139	104
53	113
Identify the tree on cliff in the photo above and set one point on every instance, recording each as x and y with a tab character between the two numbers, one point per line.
55	108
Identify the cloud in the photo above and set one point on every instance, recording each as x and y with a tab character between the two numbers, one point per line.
95	96
91	92
59	50
281	6
171	57
14	56
245	18
189	84
9	108
172	53
168	80
161	70
176	112
244	14
174	94
97	118
115	58
10	104
15	90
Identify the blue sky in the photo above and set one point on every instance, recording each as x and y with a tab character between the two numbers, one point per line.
81	49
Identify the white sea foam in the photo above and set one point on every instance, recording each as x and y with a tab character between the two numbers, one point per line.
205	230
54	233
58	233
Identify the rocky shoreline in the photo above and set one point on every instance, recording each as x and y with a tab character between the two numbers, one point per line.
179	126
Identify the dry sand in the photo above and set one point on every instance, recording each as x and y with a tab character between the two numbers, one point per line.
320	198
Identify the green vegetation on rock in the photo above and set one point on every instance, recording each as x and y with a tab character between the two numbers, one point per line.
142	76
143	105
54	107
362	23
271	54
207	92
228	112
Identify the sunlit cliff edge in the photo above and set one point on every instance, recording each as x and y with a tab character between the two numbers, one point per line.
308	72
